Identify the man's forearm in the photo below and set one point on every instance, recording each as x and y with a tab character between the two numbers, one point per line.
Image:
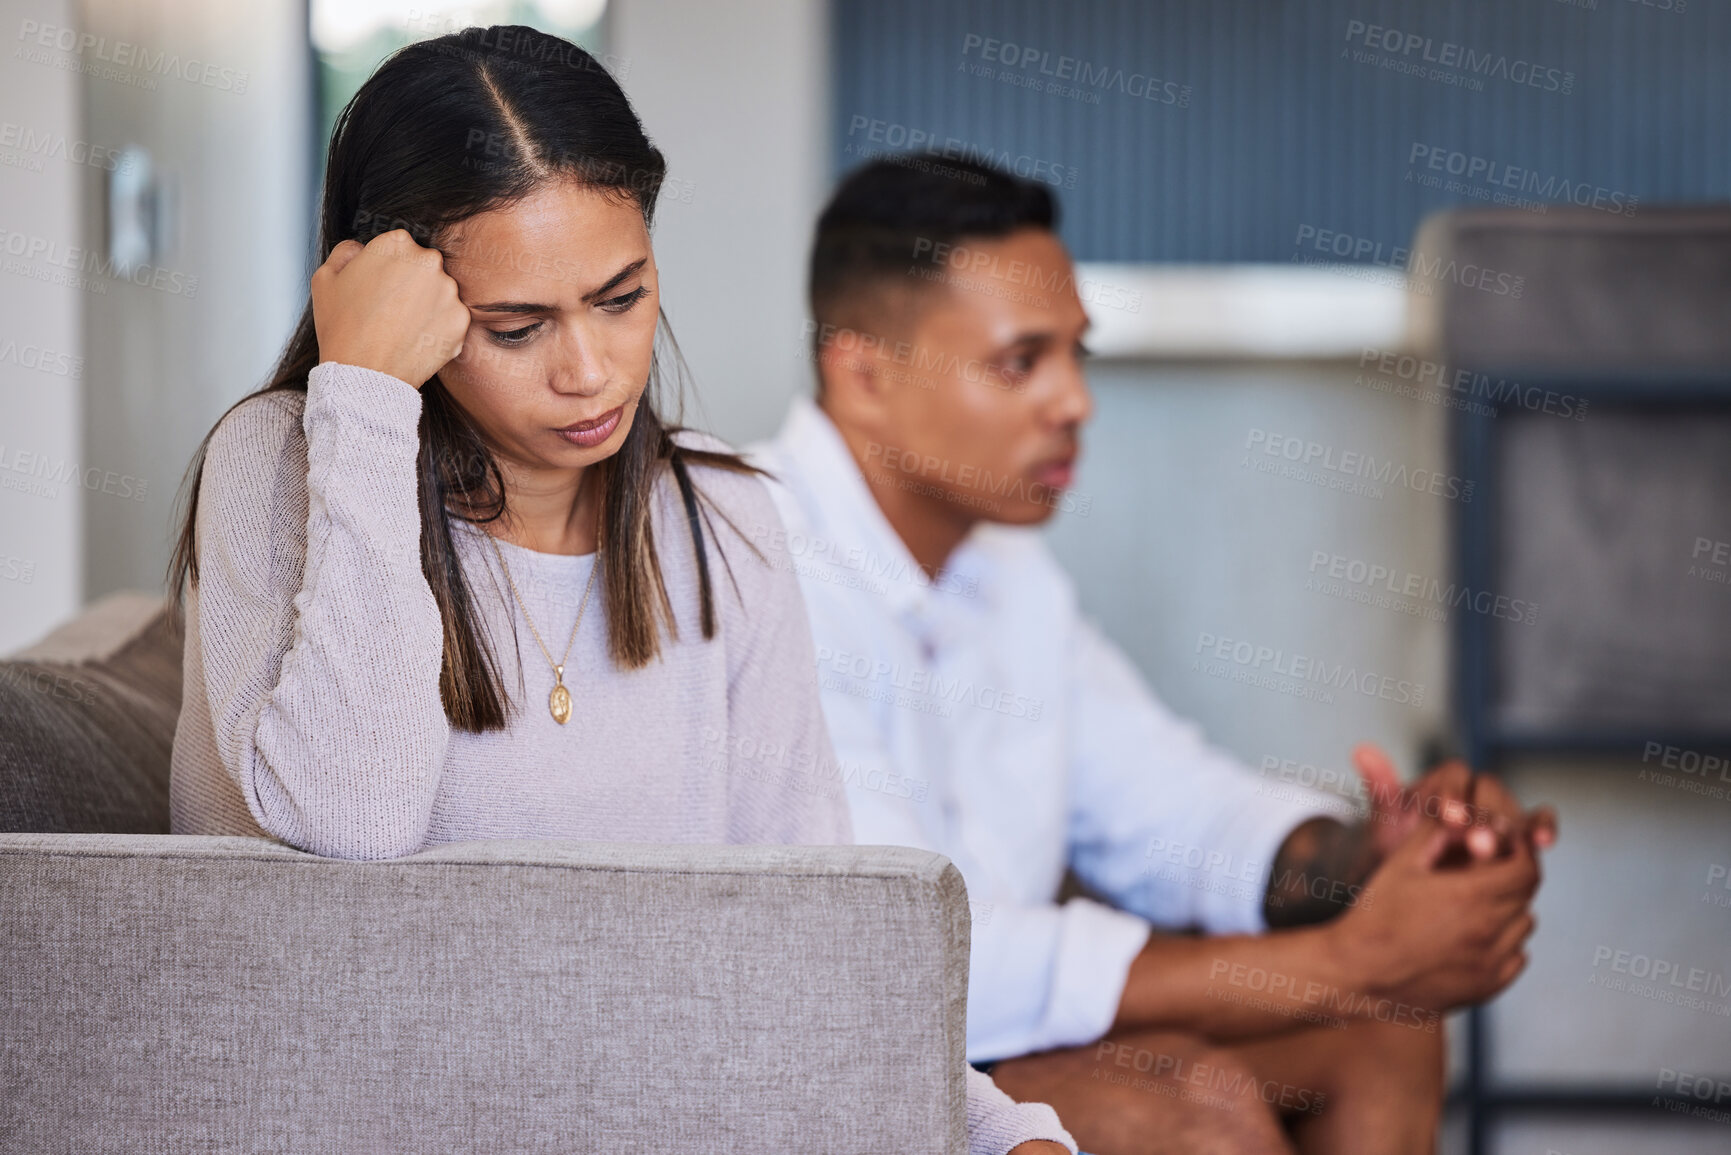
1234	986
1231	987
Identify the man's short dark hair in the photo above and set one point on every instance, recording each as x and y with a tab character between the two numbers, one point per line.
888	216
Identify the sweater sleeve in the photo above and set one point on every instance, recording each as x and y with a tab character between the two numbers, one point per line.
322	656
997	1123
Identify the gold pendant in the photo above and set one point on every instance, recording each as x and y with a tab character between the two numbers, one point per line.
559	701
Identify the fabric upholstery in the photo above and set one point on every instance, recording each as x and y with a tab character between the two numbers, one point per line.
516	996
89	717
236	995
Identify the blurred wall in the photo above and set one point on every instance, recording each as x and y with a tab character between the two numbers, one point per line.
1187	549
42	374
737	96
227	133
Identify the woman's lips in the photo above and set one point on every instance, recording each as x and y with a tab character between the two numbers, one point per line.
592	433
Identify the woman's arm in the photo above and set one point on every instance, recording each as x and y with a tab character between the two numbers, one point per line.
322	654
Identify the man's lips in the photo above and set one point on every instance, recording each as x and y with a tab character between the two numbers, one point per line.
595	430
1057	474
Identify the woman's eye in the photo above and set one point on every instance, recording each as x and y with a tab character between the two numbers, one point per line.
621	303
515	336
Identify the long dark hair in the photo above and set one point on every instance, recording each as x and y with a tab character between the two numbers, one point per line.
445	129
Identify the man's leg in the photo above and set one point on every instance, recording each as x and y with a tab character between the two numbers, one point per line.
1368	1089
1382	1085
1149	1093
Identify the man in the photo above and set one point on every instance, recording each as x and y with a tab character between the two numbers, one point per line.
977	713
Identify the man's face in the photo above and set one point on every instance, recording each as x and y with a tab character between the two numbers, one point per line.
984	400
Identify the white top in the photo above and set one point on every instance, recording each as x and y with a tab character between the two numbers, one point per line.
985	718
311	710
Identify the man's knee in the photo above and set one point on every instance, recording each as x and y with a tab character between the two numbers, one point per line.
1408	1059
1179	1084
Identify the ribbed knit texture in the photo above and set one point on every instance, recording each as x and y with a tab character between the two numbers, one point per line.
311	710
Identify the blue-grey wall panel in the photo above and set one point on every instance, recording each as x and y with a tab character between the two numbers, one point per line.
1219	130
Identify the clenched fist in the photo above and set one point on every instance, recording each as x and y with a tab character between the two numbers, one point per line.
388	305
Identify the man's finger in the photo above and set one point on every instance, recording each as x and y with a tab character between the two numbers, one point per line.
1497	811
1377	769
1445	790
1513	935
1542	827
1514	877
1512	970
1374	764
1427	844
1483	843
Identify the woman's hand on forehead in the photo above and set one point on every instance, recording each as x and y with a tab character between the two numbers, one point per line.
390	306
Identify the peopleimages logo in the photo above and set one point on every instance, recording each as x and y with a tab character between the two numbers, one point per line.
1174	1077
1354	1004
1717	568
980	262
1332	243
1486	172
1354	464
40	475
76	264
1670	973
1303	669
872	138
37	146
926	363
929	684
96	51
1458	58
42	359
1470	383
1375	579
1037	68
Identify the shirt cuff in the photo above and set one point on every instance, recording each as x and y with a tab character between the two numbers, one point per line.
1090	967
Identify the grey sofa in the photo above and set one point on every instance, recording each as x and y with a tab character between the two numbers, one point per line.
172	993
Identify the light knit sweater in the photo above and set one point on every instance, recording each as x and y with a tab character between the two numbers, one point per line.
311	710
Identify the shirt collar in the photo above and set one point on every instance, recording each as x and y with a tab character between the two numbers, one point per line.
847	509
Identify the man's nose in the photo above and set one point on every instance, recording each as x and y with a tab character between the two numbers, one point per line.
1073	403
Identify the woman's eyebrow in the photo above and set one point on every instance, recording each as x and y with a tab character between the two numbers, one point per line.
616	280
612	283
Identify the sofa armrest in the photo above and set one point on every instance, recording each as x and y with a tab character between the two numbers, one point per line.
171	992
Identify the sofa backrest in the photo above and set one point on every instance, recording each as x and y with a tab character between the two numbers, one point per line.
87	719
185	993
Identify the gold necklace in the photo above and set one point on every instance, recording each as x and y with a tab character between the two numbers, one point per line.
559	701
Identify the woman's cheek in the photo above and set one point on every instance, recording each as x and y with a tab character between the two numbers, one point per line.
645	348
485	365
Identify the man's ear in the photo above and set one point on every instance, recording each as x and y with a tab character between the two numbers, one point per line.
849	368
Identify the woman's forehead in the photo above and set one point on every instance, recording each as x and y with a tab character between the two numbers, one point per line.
565	237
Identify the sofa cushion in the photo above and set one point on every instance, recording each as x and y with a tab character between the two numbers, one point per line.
90	713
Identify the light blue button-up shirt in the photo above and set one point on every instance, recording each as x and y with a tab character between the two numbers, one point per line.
983	717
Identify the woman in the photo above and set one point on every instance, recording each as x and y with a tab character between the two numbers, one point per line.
459	453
